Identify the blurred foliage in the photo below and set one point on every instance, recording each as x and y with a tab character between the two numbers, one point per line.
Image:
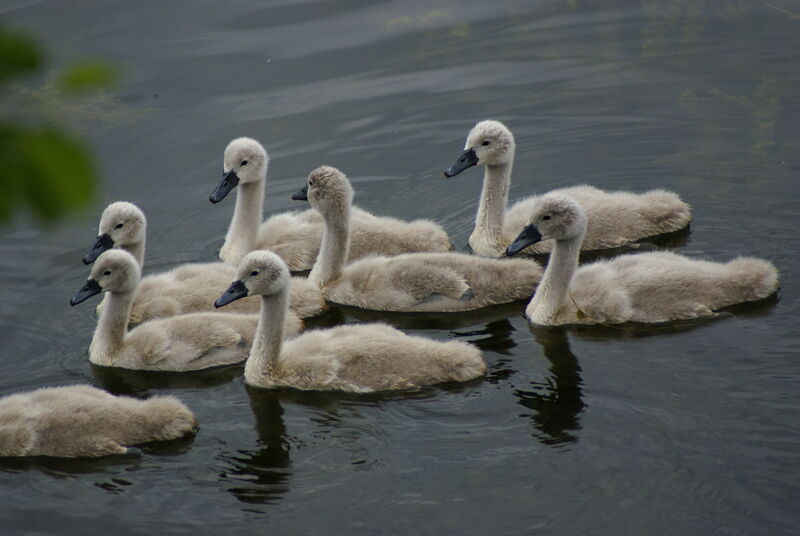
77	111
45	168
18	54
86	75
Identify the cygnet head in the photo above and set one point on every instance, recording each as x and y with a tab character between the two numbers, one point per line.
122	224
327	189
260	273
554	216
115	271
489	143
245	162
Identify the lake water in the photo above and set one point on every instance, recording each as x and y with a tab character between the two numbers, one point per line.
684	429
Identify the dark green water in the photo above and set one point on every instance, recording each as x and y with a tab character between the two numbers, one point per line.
686	429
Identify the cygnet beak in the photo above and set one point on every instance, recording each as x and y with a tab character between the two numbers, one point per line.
467	159
228	183
88	290
235	291
102	244
301	195
529	235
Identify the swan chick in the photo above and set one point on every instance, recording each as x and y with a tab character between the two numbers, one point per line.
616	218
296	236
122	225
645	287
412	282
79	421
355	358
181	343
186	288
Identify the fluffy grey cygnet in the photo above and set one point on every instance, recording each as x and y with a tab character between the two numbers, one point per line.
413	282
79	421
355	358
645	287
615	218
187	288
191	341
296	236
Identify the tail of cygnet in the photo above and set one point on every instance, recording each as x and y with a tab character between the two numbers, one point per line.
425	235
754	279
469	366
666	211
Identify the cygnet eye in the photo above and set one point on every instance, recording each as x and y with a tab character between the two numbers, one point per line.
546	217
244	162
119	226
254	273
485	143
107	272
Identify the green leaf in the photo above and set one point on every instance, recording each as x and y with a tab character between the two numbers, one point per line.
87	75
45	170
53	172
10	167
18	54
578	313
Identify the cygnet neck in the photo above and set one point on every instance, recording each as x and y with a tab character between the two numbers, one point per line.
335	247
243	230
260	366
552	293
109	335
492	206
137	250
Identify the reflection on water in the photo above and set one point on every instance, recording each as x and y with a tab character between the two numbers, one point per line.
556	401
698	97
493	337
121	381
261	476
336	421
63	468
437	321
674	240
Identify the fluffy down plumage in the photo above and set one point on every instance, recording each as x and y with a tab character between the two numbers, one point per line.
440	282
81	421
184	289
663	286
433	282
181	343
296	236
355	358
646	287
615	218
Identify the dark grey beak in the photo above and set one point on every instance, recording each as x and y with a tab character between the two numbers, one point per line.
87	291
235	291
529	235
467	159
102	244
301	195
228	183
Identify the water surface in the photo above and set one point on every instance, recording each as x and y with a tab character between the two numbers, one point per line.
682	429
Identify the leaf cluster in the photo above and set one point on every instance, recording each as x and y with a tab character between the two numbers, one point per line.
43	168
